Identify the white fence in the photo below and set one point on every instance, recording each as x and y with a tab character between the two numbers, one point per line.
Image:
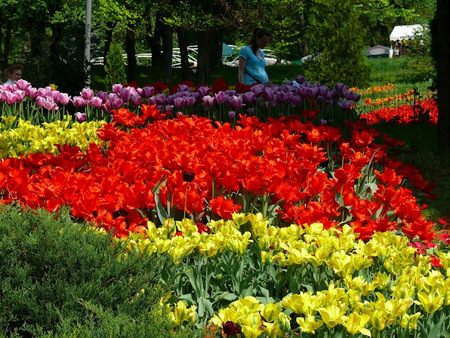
145	58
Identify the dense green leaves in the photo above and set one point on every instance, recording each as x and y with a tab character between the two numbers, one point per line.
335	38
65	279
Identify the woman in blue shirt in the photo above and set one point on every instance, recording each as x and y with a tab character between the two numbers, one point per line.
252	65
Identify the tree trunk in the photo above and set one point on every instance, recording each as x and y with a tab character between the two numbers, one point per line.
442	52
4	55
7	42
2	58
154	41
203	64
109	34
130	49
215	50
167	36
182	43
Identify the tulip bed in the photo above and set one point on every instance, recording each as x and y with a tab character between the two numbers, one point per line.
282	212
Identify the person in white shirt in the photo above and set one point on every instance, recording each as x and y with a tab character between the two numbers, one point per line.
13	73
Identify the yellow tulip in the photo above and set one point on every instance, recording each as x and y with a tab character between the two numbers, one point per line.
320	256
341	263
361	262
183	314
382	280
239	242
355	323
248	305
251	331
162	245
360	284
378	320
273	330
271	311
410	321
309	324
284	322
445	259
209	246
430	302
333	315
304	303
298	257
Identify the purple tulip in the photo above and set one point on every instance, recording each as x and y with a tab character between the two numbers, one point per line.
339	87
204	90
190	100
231	114
296	100
102	95
11	98
208	101
148	91
168	108
115	101
125	94
179	102
300	79
251	111
258	89
160	99
231	329
345	104
248	97
220	97
136	99
42	92
184	88
235	102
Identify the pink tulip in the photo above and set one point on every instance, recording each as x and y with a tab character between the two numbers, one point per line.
95	102
116	88
87	93
40	101
63	98
79	101
80	116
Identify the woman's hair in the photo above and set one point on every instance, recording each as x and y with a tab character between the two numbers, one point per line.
11	69
258	33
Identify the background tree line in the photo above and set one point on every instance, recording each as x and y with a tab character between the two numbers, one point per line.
48	36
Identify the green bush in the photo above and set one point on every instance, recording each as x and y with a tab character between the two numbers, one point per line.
65	279
115	66
335	38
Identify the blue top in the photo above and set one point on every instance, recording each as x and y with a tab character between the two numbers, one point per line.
254	65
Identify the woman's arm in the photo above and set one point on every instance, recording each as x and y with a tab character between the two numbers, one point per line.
242	63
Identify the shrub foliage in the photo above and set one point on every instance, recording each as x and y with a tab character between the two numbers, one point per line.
67	279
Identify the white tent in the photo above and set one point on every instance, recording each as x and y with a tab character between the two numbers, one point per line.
406	32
